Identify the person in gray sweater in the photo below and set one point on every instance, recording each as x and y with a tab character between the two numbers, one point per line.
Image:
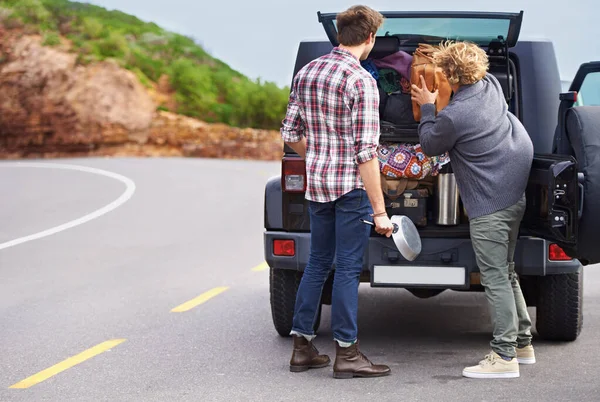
491	156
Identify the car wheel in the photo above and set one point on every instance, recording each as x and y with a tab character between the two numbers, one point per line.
560	306
283	289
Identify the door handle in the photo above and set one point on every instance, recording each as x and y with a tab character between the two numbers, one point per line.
580	181
581	194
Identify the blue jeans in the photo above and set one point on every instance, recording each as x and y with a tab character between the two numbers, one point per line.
336	232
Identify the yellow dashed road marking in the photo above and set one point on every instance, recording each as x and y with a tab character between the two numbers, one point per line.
262	267
67	364
204	297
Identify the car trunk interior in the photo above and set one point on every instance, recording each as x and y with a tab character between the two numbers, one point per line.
433	203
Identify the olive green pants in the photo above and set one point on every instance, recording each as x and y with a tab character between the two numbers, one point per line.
494	238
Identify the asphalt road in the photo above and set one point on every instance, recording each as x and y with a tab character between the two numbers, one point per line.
196	225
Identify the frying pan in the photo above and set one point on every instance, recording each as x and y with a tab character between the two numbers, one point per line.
405	236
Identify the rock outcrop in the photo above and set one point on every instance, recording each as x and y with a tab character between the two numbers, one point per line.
51	106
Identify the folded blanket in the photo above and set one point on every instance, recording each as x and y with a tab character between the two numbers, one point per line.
408	161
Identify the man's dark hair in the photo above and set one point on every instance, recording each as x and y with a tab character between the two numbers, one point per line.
356	24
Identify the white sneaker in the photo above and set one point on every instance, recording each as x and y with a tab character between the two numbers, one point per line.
526	355
493	366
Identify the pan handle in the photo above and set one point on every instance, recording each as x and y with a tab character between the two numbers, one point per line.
372	224
367	222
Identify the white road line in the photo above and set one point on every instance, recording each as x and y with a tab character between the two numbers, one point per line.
79	221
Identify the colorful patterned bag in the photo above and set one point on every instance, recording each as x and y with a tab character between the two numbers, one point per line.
408	161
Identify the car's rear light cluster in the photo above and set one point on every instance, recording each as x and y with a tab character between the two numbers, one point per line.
293	177
556	253
284	247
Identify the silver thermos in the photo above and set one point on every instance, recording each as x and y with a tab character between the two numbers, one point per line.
448	212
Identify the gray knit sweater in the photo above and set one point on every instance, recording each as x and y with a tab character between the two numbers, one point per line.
490	150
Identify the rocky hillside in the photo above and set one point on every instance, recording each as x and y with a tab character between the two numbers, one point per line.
53	104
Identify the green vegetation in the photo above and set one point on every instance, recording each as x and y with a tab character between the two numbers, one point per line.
51	39
205	87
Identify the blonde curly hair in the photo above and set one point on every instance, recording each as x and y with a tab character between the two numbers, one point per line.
463	63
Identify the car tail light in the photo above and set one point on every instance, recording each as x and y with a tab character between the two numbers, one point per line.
556	253
285	248
293	178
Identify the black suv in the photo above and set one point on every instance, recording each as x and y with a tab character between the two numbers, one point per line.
561	228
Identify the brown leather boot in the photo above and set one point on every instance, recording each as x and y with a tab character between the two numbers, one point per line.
350	362
306	355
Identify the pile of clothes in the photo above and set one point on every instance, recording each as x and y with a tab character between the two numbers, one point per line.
392	74
394	71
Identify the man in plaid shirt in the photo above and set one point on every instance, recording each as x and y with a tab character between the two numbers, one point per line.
332	121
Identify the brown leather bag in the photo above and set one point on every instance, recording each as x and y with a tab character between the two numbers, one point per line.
393	188
422	64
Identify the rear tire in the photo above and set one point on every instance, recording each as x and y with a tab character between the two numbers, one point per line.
560	306
283	289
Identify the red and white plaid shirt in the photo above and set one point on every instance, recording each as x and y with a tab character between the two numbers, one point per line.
334	103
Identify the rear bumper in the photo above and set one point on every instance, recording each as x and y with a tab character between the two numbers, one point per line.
531	255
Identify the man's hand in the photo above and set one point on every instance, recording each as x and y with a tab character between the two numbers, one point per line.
383	225
422	95
299	147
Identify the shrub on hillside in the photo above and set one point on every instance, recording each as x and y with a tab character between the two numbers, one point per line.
114	46
196	91
31	11
51	39
91	28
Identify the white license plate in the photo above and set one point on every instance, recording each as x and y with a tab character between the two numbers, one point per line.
419	275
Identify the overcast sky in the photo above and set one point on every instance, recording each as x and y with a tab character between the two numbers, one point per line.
260	37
